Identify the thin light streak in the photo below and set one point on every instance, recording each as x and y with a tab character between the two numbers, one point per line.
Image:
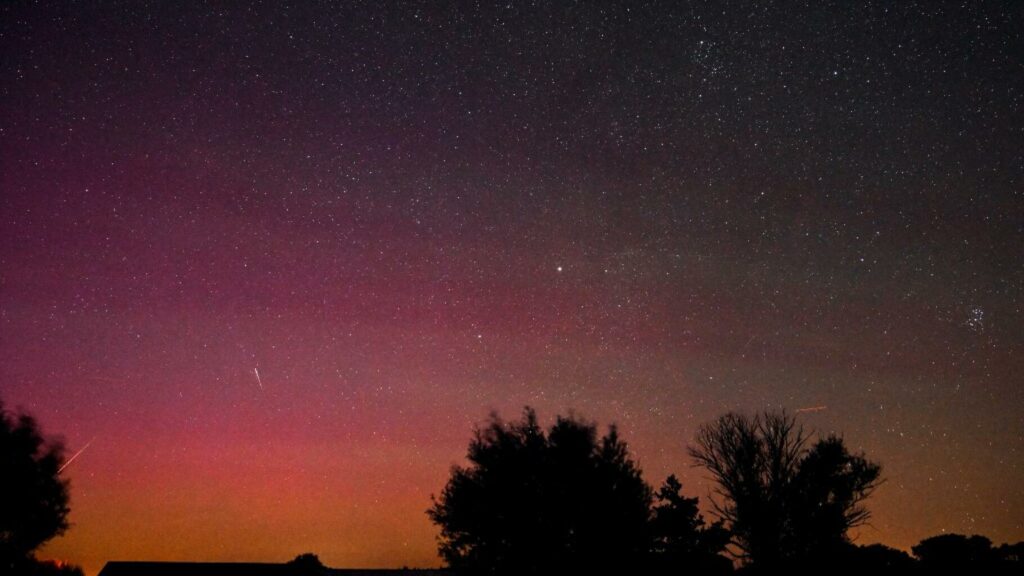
77	454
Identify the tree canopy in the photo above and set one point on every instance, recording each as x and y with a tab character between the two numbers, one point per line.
560	501
307	564
680	537
33	496
960	554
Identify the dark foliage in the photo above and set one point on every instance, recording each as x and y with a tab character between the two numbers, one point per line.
1012	554
681	540
786	506
954	551
959	554
876	560
827	499
564	501
33	496
531	502
852	560
307	563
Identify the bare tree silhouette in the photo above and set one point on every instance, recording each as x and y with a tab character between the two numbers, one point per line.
681	539
785	504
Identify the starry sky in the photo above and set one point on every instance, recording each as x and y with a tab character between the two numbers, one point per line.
275	261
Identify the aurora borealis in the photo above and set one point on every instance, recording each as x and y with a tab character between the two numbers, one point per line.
276	260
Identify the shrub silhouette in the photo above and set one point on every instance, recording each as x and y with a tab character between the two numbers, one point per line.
876	560
307	564
960	554
953	551
827	499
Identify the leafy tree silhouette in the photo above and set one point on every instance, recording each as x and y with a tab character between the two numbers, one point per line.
874	559
535	503
680	538
960	554
307	564
827	499
33	496
786	506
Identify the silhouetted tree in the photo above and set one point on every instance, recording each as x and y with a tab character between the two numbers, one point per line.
875	560
307	563
785	505
681	540
956	553
33	496
827	499
535	503
959	554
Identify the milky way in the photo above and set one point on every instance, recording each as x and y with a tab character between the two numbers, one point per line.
280	260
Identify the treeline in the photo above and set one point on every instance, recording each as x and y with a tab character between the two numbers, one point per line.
567	501
564	500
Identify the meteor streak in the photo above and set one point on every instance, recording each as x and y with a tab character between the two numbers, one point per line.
258	381
77	454
811	409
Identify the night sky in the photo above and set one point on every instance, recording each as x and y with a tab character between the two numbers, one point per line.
275	262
